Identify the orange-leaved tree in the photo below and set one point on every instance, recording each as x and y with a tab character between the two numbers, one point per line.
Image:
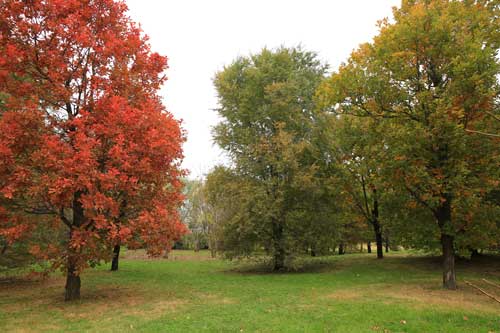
84	138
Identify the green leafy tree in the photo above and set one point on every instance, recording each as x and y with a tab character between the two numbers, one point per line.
267	128
357	147
432	77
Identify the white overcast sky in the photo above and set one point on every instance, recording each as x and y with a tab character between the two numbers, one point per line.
199	37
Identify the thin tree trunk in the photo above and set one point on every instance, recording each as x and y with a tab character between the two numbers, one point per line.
116	257
279	251
369	247
378	239
341	249
376	226
474	253
212	246
386	244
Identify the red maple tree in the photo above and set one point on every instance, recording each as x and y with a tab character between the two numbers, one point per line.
84	137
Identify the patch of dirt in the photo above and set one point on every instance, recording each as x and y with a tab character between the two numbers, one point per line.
176	255
103	303
216	299
346	294
465	298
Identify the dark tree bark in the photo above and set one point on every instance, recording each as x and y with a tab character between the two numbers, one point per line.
379	241
73	283
279	251
449	279
474	253
443	216
373	218
387	244
116	257
376	226
341	248
369	247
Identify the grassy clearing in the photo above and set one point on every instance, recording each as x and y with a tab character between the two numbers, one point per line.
189	292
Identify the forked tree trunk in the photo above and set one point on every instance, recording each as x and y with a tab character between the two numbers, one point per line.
116	258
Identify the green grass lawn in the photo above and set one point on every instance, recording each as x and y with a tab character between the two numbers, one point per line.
191	293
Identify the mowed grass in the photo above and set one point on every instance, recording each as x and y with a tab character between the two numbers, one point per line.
189	292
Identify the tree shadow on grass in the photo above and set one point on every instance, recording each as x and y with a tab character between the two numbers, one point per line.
481	264
299	266
484	264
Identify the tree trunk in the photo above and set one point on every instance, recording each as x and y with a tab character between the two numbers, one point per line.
341	249
443	216
212	246
449	278
73	282
386	244
369	247
116	257
279	251
474	253
197	245
376	226
378	238
279	260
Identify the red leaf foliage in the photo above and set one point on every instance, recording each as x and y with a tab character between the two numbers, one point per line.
84	137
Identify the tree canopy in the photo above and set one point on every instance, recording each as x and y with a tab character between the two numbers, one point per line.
84	138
